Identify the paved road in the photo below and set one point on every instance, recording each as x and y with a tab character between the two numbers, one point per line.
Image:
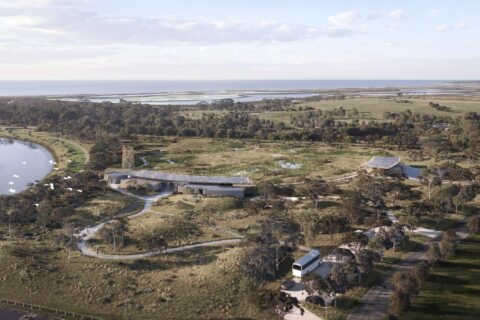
374	304
15	315
88	233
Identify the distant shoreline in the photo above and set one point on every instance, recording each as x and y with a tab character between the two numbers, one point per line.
195	92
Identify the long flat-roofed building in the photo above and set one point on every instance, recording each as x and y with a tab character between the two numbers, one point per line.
234	186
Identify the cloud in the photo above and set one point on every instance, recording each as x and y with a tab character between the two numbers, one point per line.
57	25
398	15
345	18
461	24
348	18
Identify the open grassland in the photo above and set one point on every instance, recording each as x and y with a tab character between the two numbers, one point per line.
105	207
453	288
281	161
374	108
145	225
71	155
182	286
261	160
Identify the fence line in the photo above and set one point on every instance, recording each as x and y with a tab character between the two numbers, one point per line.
74	315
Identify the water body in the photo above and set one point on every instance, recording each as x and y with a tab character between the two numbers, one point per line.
35	88
194	92
22	163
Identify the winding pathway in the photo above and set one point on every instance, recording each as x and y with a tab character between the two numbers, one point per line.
89	232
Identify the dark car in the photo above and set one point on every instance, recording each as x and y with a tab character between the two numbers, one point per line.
316	300
287	284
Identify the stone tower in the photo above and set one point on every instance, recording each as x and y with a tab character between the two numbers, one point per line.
128	156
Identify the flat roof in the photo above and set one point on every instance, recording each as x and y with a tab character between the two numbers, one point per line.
306	258
382	162
213	188
155	175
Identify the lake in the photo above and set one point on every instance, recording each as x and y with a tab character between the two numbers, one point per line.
22	163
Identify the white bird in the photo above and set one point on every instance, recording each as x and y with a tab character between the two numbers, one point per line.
24	162
54	163
69	161
11	183
12	190
67	178
56	169
46	184
69	189
50	161
16	176
51	186
35	204
79	191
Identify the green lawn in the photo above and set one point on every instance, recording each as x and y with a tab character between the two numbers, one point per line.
452	291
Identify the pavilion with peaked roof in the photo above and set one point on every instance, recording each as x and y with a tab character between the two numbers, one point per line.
388	166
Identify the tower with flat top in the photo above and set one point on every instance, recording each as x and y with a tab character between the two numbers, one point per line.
128	156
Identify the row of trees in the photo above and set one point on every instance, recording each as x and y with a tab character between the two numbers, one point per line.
407	284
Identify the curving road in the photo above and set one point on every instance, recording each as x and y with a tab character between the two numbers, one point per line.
88	233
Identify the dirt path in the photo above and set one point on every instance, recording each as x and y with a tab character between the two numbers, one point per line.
88	233
374	304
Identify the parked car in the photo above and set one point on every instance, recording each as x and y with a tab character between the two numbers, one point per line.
316	300
287	284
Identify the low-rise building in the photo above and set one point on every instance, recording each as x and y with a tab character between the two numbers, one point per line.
235	186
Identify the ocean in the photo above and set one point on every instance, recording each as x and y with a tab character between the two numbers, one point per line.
63	88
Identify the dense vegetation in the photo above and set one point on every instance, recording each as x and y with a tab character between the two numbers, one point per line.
240	120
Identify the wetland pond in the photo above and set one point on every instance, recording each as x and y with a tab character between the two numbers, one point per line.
22	164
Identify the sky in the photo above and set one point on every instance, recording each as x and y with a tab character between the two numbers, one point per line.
239	40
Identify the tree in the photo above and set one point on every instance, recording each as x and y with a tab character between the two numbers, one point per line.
414	212
277	303
352	206
68	239
405	283
114	232
420	272
448	244
433	254
315	188
332	223
395	234
365	262
398	303
339	278
378	243
465	195
155	241
430	178
316	285
355	240
473	224
44	210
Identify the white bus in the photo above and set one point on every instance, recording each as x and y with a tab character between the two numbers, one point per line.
306	264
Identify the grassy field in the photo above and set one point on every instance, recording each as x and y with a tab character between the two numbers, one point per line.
182	286
71	155
453	289
374	108
104	207
370	108
280	161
